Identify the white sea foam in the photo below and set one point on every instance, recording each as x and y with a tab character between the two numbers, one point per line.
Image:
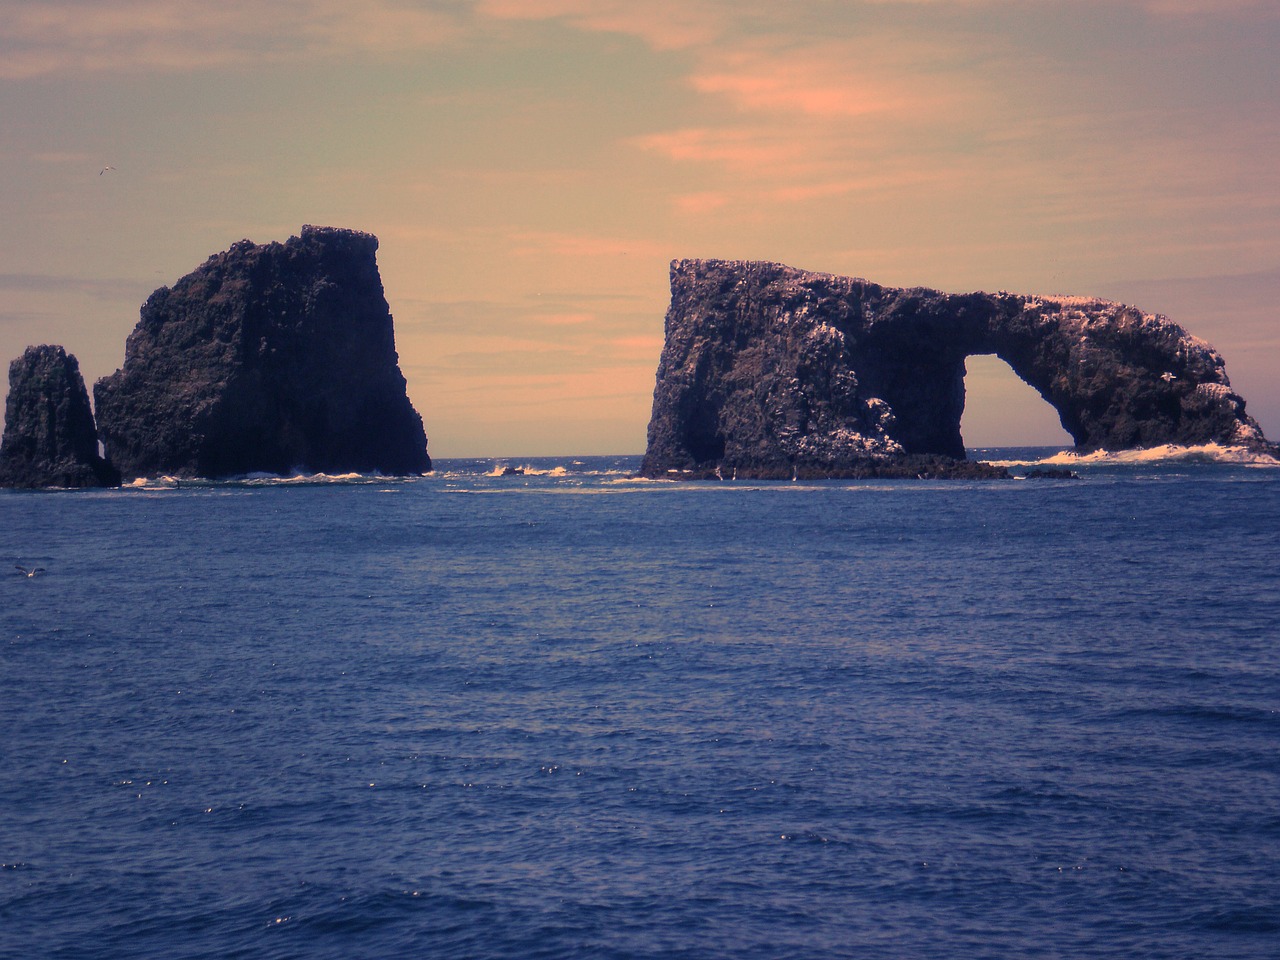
501	468
338	479
261	480
1166	453
153	483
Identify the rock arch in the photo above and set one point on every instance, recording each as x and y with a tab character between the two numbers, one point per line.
774	370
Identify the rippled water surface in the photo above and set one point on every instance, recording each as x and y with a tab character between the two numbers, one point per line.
568	714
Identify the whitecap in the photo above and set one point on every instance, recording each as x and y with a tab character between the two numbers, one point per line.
1165	453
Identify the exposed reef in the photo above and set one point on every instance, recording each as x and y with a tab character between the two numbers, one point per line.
770	371
266	359
49	438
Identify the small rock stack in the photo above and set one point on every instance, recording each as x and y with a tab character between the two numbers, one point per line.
49	436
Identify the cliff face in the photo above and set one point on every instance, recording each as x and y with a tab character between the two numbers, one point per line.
49	438
267	358
774	371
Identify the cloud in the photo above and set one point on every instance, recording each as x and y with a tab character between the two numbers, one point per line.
185	35
1183	8
108	289
819	118
543	243
751	150
639	347
563	319
832	80
662	24
830	119
1175	7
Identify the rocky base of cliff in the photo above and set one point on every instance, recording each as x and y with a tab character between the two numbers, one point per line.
904	467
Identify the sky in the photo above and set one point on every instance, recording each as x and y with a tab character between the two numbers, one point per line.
532	167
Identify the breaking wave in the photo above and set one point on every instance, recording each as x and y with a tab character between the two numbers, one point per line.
502	469
1167	453
261	480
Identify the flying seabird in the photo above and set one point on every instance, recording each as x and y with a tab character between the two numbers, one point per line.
29	573
104	170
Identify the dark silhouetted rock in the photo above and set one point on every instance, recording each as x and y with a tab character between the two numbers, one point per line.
1051	473
49	438
773	371
268	359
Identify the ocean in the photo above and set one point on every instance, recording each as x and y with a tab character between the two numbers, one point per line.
565	713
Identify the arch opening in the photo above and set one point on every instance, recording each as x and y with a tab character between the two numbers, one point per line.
1003	410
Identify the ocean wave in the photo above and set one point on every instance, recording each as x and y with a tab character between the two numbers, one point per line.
502	469
1166	453
166	482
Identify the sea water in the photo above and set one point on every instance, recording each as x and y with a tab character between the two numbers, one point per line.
568	714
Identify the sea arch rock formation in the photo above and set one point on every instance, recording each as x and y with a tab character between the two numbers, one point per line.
773	371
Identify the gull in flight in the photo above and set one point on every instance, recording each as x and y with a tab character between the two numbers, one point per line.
104	170
28	573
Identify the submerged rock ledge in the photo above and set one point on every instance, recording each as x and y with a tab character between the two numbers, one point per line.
768	372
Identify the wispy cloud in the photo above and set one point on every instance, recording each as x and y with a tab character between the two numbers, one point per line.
108	289
826	118
1264	8
749	150
1176	7
550	243
564	319
184	35
831	80
663	24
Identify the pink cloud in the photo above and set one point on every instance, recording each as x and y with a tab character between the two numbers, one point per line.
817	81
743	149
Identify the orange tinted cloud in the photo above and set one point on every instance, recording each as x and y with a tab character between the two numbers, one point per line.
705	201
818	81
563	319
537	243
750	150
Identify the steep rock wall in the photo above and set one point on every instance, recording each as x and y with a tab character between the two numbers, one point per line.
267	358
49	436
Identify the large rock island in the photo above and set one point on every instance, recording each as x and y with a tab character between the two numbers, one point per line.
49	437
769	371
267	358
